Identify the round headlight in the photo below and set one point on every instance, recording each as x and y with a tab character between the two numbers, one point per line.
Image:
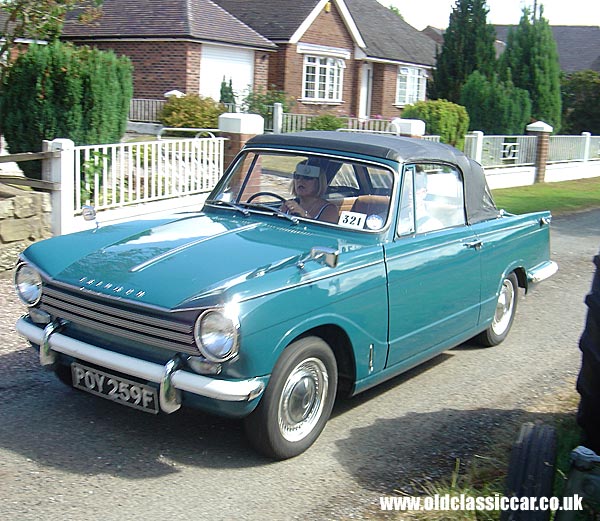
216	336
28	284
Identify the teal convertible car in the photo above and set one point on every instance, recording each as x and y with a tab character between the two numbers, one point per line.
322	264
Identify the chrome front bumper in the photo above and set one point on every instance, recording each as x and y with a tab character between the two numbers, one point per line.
170	377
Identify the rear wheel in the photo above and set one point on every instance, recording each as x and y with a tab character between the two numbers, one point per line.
297	402
506	307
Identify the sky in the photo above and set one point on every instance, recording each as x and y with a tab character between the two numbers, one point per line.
422	13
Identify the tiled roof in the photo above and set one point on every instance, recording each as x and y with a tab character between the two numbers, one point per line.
197	19
388	36
578	46
274	19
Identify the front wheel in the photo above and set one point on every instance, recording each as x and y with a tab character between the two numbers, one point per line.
506	307
297	402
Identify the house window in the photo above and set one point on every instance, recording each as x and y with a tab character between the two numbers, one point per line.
323	78
411	85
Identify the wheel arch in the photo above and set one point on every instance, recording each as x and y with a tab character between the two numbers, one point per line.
339	342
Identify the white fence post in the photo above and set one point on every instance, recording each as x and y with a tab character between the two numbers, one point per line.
61	171
587	141
478	148
277	118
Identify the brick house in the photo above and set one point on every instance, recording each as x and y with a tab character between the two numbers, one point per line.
348	57
185	45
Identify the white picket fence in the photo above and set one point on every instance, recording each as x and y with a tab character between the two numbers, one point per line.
118	175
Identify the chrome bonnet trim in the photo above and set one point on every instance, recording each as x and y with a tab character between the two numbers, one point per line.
226	390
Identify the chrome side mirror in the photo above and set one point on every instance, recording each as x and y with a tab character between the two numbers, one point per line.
88	212
327	256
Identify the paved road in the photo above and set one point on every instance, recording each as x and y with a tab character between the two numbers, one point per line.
65	454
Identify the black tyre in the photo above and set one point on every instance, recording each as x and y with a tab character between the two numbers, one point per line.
506	307
297	402
531	469
63	373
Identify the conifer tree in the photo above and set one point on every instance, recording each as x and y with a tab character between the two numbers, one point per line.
531	59
468	46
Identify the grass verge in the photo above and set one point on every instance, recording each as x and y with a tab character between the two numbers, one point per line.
559	198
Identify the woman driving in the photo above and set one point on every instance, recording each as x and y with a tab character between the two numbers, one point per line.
308	186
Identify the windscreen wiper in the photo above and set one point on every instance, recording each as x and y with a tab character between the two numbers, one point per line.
228	204
275	211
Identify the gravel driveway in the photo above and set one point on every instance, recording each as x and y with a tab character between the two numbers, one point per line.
65	454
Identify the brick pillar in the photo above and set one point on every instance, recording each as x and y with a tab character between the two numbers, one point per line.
238	129
542	131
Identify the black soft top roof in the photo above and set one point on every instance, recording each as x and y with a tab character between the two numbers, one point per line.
478	199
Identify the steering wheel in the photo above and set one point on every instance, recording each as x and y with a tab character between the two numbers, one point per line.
272	194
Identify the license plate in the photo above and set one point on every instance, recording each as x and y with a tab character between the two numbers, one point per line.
120	390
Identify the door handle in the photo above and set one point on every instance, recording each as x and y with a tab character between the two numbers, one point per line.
474	244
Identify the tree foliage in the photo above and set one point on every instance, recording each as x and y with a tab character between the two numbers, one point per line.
444	118
191	111
39	19
495	107
260	101
326	122
61	91
226	94
531	60
468	46
581	102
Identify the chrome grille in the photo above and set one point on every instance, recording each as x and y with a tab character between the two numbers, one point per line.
133	325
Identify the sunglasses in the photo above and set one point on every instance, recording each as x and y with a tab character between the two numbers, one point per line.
297	177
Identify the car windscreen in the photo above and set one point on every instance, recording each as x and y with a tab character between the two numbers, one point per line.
328	190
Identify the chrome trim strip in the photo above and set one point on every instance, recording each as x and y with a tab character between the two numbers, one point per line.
542	272
226	390
311	281
80	302
183	247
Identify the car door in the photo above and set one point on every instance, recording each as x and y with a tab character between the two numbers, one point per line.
433	265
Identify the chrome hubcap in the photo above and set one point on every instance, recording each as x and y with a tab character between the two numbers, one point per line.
303	399
504	307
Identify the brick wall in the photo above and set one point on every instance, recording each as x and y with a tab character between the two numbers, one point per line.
261	70
161	66
384	91
24	219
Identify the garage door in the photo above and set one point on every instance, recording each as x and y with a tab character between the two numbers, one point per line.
229	63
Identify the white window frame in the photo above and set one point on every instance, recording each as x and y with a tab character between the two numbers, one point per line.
411	85
325	82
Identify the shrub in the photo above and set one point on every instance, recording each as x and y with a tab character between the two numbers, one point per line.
261	101
191	111
448	120
495	107
62	91
326	122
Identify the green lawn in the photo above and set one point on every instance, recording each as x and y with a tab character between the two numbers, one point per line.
564	197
